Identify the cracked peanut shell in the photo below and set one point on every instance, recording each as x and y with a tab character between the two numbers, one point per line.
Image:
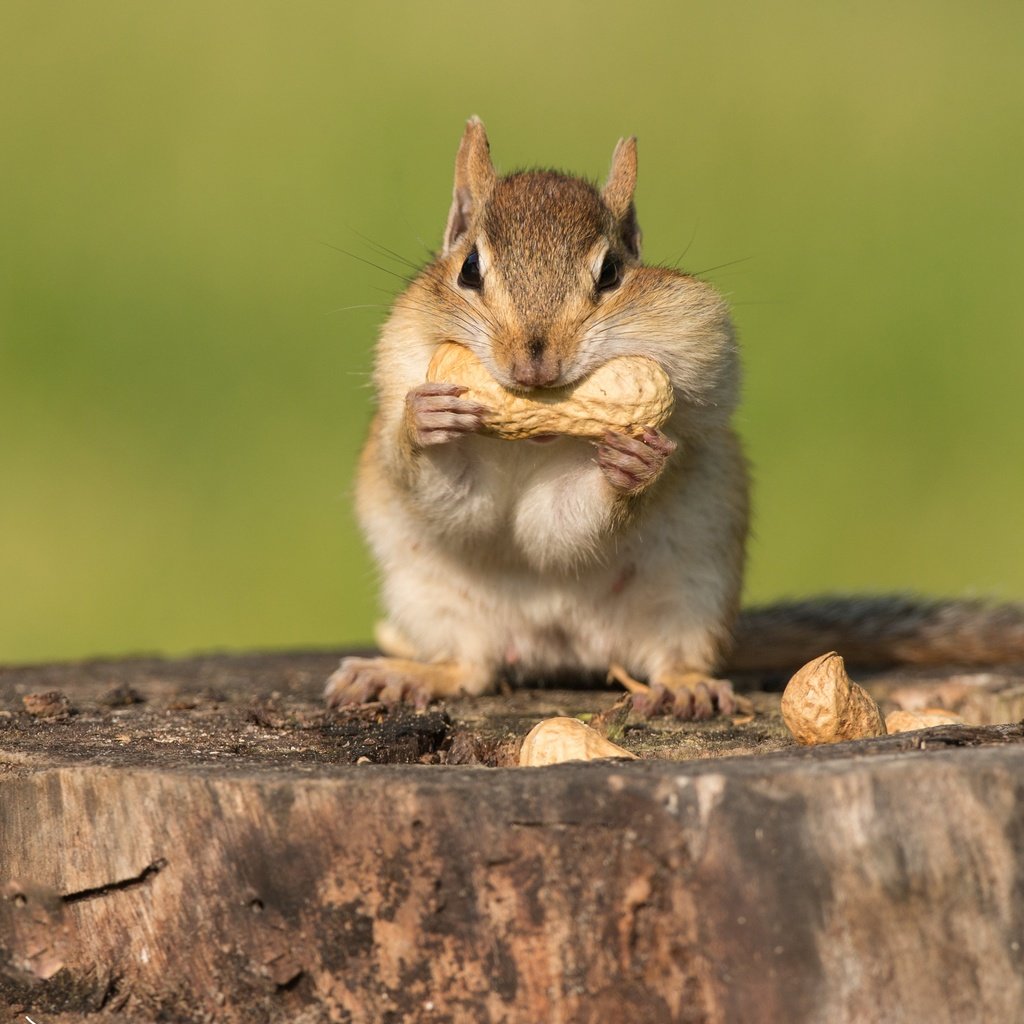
623	395
556	740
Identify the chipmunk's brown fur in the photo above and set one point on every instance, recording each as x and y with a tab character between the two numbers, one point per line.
566	555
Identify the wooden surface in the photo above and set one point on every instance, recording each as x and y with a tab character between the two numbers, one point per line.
212	851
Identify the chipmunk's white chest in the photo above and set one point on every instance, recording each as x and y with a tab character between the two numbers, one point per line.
542	501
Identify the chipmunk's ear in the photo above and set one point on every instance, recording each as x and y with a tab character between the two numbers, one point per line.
474	179
618	192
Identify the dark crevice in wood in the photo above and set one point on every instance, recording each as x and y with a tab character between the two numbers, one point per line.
125	883
291	984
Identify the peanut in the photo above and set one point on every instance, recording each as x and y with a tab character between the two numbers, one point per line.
821	704
623	395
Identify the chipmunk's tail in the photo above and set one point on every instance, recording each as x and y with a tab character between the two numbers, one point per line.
879	631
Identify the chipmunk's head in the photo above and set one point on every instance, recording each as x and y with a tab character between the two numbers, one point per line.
532	261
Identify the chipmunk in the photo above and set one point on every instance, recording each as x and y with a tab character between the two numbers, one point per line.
558	553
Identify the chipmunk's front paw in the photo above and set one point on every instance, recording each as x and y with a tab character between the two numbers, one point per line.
632	463
364	680
435	414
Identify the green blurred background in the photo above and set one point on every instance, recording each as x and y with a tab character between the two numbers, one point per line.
183	354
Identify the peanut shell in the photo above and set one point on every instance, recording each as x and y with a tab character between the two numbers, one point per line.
624	395
566	739
926	718
821	704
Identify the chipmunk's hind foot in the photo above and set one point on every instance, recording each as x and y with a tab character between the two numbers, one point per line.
689	696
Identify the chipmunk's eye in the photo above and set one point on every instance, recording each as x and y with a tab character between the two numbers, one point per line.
469	275
611	274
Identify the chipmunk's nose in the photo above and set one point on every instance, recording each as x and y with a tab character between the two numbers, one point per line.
537	366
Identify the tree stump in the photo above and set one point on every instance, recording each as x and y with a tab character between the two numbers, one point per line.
200	840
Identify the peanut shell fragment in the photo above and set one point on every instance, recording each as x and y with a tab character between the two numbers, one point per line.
821	704
925	718
556	740
623	395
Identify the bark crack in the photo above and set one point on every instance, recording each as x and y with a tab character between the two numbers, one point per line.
125	883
